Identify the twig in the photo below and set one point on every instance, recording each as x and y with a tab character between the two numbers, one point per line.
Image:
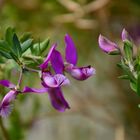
32	70
70	5
95	5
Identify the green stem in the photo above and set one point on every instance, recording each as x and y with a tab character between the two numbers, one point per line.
4	131
33	57
30	69
20	78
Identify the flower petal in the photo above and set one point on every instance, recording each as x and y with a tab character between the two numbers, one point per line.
45	63
71	53
125	35
57	99
106	45
7	83
57	62
80	73
57	80
34	90
61	79
5	107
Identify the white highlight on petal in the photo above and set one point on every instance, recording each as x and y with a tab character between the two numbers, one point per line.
57	80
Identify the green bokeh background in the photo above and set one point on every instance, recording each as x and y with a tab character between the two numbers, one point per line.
103	107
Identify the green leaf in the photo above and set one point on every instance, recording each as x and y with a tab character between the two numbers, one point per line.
133	86
127	71
9	35
4	47
25	37
35	49
119	65
117	52
16	46
6	55
128	50
137	63
124	77
138	84
44	45
26	45
39	48
14	57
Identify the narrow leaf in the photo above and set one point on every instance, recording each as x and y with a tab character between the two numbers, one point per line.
138	84
25	37
9	35
26	45
6	55
44	45
17	46
128	50
4	46
124	77
14	57
133	86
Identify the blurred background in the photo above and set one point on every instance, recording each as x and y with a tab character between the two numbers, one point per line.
102	107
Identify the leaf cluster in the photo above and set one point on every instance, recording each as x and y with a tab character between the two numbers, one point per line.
131	66
23	50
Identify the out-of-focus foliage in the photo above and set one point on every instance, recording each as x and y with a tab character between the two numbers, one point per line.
104	106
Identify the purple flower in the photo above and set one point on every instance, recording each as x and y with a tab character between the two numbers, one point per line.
107	46
5	105
134	31
57	99
44	65
34	90
53	83
55	94
7	83
125	35
79	73
71	52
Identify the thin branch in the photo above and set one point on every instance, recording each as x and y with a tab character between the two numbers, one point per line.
95	5
70	5
31	70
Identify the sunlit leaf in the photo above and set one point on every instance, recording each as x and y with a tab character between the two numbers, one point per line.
26	45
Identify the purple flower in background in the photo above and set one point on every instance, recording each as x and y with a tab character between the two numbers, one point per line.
125	35
107	46
79	73
134	31
5	105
